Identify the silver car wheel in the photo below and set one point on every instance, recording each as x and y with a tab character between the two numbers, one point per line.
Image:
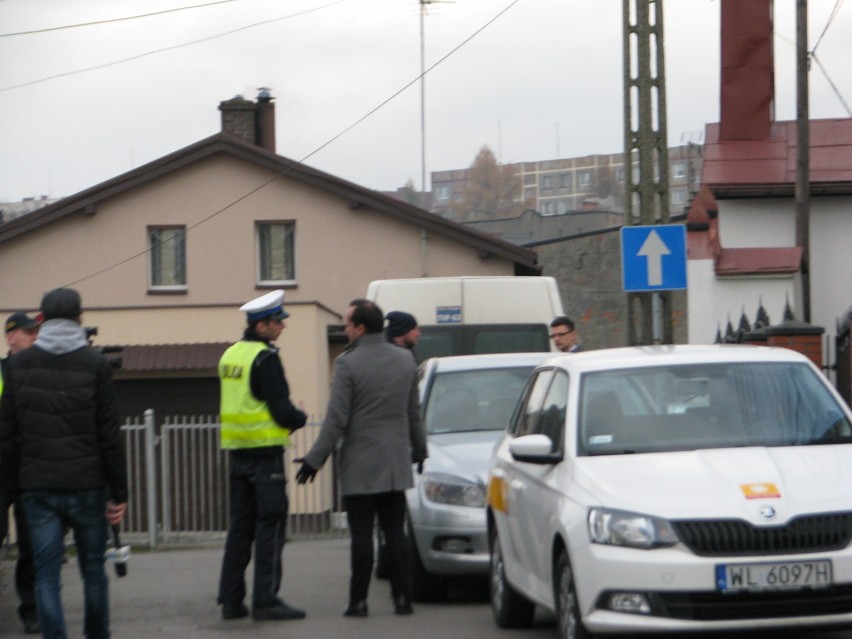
567	607
510	609
498	585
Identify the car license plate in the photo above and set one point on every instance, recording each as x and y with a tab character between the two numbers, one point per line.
773	575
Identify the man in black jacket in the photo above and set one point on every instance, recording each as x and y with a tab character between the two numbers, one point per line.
61	442
21	332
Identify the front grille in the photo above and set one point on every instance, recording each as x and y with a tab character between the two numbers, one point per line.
715	606
808	533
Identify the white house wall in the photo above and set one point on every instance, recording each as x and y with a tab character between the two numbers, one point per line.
757	223
713	300
831	266
754	223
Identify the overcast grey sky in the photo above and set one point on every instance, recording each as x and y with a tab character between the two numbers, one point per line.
542	80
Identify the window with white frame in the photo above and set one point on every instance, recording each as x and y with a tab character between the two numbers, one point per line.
678	169
442	192
546	182
276	252
585	178
678	196
167	246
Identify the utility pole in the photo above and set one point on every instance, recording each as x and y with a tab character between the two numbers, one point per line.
423	4
803	149
649	318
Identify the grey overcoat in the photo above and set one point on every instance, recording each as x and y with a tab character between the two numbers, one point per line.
374	412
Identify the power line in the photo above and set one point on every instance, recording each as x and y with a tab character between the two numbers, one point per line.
289	169
828	22
89	24
812	55
832	85
171	48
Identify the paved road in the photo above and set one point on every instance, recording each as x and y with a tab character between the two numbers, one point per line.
171	593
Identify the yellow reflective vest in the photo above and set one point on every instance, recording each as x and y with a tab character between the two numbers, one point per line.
245	420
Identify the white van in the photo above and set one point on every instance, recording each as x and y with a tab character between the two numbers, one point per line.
473	315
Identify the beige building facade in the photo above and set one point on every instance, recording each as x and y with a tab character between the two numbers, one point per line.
164	255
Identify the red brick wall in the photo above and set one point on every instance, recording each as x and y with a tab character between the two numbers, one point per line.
808	345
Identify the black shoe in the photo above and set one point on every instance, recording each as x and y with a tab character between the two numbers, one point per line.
234	612
402	605
357	609
31	625
280	611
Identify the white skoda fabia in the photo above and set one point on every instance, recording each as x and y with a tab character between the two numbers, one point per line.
674	489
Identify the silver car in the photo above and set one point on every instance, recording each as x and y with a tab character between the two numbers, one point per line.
466	404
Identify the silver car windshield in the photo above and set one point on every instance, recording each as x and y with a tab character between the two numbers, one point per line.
473	400
707	406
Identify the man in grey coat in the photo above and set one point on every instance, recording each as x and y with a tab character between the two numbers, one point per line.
374	409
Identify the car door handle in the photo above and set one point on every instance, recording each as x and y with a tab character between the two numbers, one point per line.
517	485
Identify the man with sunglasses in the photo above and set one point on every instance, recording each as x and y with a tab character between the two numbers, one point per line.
564	335
256	418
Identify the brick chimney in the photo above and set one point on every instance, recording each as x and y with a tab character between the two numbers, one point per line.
748	82
253	122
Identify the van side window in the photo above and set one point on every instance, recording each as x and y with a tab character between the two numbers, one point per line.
531	408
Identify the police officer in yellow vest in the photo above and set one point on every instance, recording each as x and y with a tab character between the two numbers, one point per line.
257	418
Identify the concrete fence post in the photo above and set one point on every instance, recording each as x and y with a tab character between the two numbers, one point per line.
151	476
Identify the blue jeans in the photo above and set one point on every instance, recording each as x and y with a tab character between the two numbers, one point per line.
49	514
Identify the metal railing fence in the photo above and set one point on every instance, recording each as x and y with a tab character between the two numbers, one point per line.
181	494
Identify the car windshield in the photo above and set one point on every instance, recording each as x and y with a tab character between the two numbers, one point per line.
473	400
698	406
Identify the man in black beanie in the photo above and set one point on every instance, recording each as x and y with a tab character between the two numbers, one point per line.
402	329
65	452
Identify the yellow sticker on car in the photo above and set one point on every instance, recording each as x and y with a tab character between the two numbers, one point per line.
765	490
497	494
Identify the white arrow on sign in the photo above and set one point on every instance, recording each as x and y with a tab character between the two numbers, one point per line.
653	249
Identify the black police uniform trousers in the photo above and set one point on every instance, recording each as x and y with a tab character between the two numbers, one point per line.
24	567
258	511
361	512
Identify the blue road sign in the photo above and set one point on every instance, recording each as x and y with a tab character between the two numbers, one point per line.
653	258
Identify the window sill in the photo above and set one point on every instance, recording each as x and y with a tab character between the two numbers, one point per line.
168	290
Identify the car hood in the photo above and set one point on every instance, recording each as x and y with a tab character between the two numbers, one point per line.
465	455
722	483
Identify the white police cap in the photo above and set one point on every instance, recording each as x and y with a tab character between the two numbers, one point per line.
266	306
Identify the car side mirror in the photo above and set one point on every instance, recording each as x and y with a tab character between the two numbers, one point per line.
534	449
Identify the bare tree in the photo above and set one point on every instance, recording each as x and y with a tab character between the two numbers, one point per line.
492	190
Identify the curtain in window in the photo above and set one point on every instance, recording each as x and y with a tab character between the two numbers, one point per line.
276	252
168	257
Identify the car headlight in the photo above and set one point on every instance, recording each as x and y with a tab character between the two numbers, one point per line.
447	489
620	528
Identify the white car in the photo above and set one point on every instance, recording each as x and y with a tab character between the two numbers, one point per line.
466	403
672	489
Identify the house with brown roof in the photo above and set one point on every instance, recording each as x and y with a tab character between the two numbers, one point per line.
742	242
165	254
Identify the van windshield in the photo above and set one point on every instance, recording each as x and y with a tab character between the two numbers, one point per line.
473	400
478	339
699	406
